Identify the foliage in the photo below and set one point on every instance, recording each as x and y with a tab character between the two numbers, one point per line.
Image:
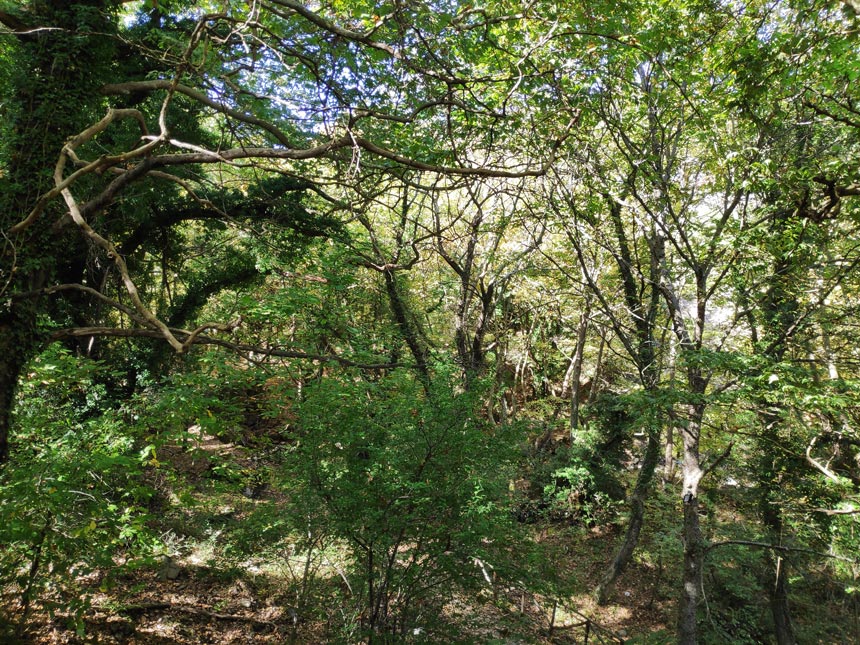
414	484
577	484
368	246
76	500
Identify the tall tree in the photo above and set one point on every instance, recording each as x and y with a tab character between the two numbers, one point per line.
801	194
364	95
57	57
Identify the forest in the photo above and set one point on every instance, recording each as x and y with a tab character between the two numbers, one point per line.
429	321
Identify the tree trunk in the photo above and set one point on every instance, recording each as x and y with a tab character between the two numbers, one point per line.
669	452
692	575
694	547
49	100
17	345
407	326
642	348
771	514
576	373
470	343
637	517
598	363
669	455
780	313
779	605
10	369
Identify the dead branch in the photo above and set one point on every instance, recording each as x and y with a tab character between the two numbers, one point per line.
153	85
817	465
851	510
47	291
101	163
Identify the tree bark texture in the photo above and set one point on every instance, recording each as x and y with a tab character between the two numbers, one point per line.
406	325
638	498
11	364
779	607
49	100
18	344
576	373
694	547
692	575
776	579
642	311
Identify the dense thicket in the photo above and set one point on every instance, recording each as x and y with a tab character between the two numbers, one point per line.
441	271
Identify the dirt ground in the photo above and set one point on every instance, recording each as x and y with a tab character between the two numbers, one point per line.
189	602
199	607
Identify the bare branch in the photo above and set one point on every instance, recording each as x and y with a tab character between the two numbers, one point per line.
777	547
479	171
106	245
821	111
229	327
819	466
116	304
202	339
321	22
851	510
99	164
200	97
720	459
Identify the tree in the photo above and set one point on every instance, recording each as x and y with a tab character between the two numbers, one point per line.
358	197
799	207
323	128
415	486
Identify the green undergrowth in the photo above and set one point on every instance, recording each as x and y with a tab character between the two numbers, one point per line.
377	509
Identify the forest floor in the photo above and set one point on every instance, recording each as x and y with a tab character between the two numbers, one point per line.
194	598
204	605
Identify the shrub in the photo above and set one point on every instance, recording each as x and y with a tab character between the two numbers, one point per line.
73	499
414	484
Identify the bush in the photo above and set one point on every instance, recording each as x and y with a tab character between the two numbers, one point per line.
73	499
414	484
576	484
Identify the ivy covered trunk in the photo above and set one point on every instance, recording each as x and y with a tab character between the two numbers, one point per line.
19	342
779	607
642	303
407	325
769	472
53	78
769	485
12	361
780	313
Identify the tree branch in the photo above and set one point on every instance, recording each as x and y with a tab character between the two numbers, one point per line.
132	87
322	23
817	465
60	184
15	25
851	510
116	304
194	611
776	547
198	338
720	459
